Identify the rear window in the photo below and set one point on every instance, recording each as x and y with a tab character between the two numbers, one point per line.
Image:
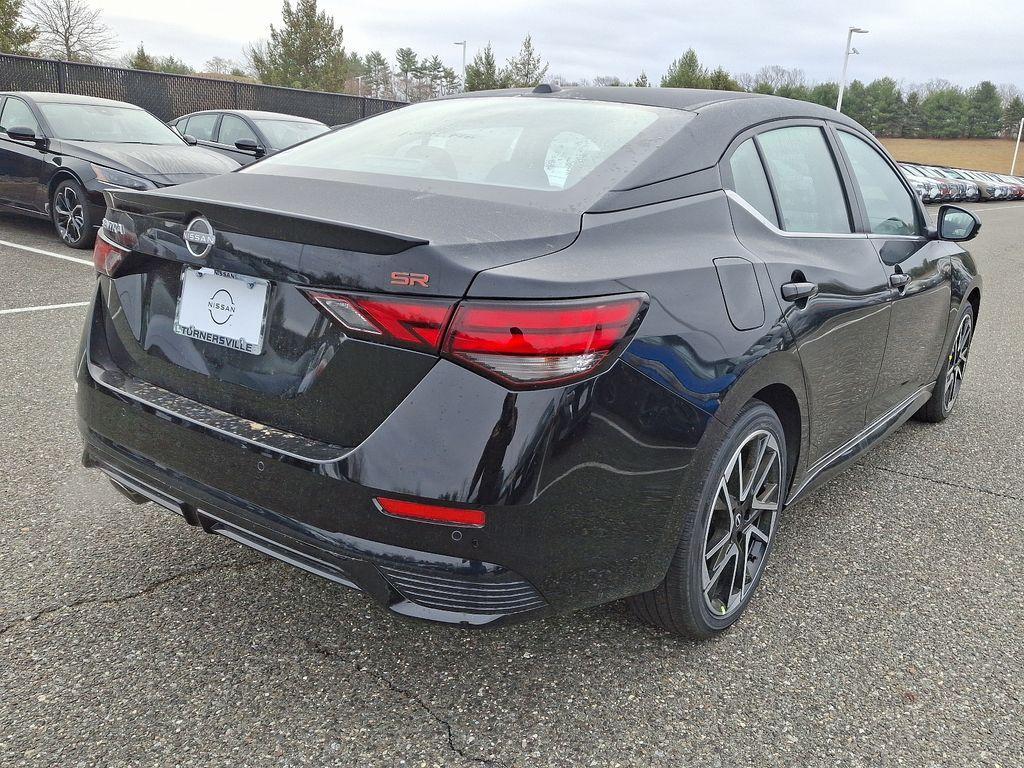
525	143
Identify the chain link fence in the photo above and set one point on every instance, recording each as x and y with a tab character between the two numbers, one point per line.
170	96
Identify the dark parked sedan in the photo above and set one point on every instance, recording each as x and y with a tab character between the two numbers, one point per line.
246	135
59	153
516	353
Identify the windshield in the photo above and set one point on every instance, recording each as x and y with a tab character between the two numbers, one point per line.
101	122
524	143
284	133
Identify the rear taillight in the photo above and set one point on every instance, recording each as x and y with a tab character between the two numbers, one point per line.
521	344
431	513
397	320
531	344
107	257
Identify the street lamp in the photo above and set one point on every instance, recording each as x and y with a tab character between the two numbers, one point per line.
463	44
1016	148
846	62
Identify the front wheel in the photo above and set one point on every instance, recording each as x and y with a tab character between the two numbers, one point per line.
947	388
71	217
727	532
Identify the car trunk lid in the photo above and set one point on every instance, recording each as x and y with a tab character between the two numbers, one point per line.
309	378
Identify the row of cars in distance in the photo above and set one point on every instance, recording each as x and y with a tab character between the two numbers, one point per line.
60	152
938	184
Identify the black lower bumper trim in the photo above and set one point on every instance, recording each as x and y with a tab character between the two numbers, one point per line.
408	582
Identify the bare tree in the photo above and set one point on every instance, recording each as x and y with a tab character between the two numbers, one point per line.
71	30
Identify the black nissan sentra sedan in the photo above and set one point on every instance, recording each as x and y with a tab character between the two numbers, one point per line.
59	153
518	353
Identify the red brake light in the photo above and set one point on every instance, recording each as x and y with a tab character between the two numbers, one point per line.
107	257
521	344
431	513
530	344
398	320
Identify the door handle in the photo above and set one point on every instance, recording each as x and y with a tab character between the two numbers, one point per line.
899	280
799	291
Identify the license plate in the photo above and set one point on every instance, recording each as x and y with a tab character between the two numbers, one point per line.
222	308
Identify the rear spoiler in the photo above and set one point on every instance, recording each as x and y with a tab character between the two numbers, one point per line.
270	224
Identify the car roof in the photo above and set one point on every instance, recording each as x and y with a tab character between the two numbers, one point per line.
67	98
256	114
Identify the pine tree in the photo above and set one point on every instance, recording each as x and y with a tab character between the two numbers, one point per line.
526	69
15	37
686	72
141	60
721	80
305	52
407	64
482	74
985	116
377	76
913	118
642	82
1013	113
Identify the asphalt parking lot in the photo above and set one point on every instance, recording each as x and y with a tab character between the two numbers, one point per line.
887	631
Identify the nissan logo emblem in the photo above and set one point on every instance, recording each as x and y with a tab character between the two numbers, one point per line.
199	237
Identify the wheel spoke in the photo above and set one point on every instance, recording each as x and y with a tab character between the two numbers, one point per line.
741	522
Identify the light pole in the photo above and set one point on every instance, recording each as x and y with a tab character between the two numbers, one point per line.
463	44
359	80
1017	147
846	62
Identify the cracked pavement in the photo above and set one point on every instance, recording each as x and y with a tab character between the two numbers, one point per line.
886	631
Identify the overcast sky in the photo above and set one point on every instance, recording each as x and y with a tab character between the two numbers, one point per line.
911	40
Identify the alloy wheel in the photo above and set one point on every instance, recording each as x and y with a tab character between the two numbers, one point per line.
957	364
69	213
741	523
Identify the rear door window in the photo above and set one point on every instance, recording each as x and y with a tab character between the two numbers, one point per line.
750	182
806	181
890	208
202	127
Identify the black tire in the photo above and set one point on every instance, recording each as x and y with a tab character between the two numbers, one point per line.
69	211
947	388
679	603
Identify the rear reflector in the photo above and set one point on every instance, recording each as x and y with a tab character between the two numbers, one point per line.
430	513
397	320
107	257
531	344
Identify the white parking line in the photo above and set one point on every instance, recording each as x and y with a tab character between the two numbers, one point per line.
42	307
41	252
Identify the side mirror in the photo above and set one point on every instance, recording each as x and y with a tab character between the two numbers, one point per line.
957	225
190	139
20	133
250	145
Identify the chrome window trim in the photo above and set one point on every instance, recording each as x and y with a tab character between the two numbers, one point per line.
733	195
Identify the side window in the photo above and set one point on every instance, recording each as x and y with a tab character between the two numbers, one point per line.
233	128
890	209
806	181
16	114
202	126
750	182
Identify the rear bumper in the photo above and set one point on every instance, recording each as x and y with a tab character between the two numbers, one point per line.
579	485
408	582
